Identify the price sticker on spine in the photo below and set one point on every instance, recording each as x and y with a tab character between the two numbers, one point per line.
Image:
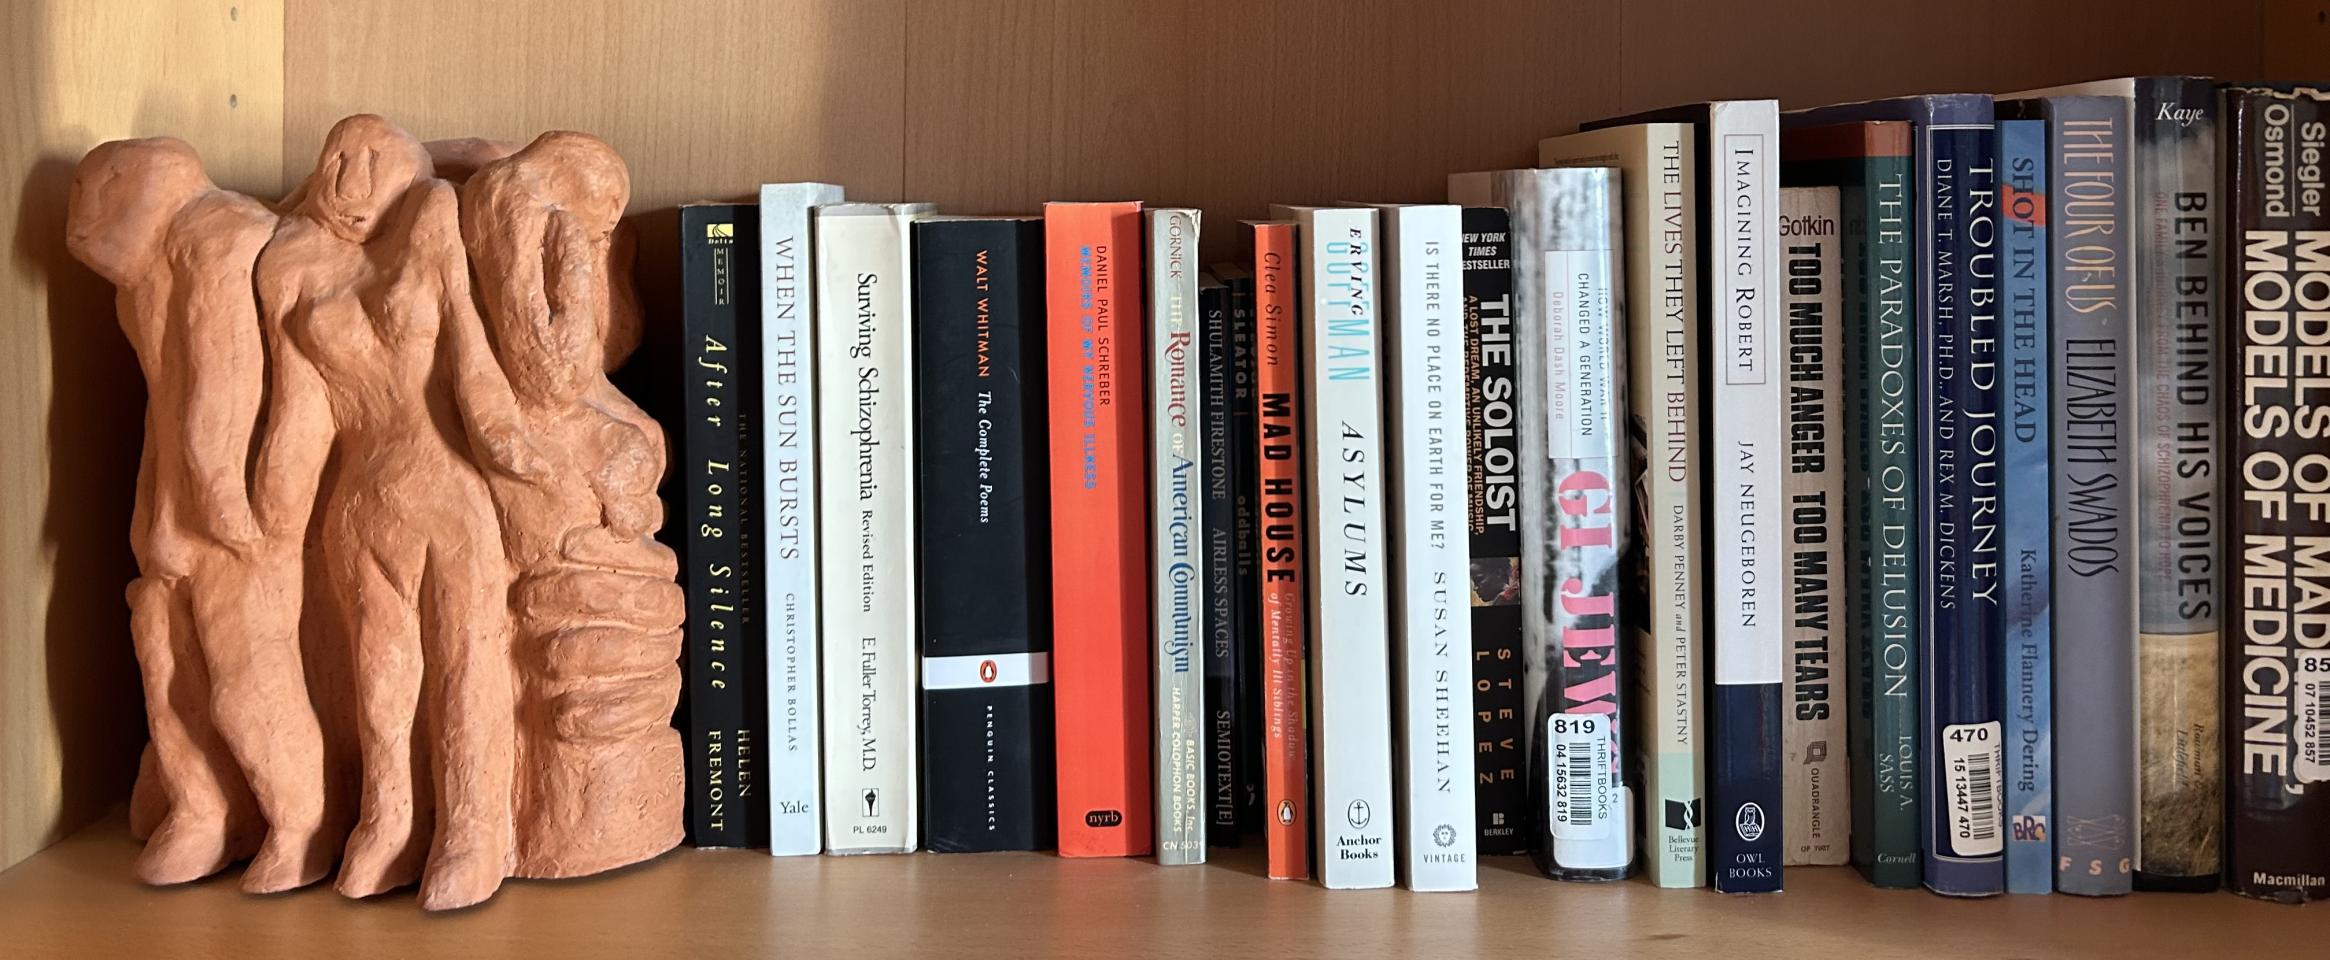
1970	771
2310	714
1585	801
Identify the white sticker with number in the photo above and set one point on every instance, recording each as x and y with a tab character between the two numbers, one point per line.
1970	767
1585	799
2310	715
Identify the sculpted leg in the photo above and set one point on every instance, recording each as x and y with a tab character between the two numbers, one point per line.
209	821
472	687
148	804
392	828
248	616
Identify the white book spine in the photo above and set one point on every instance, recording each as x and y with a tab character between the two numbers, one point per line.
1424	390
1815	790
866	567
1350	656
1177	526
1750	397
788	545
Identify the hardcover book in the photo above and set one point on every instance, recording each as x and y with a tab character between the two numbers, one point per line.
1746	400
721	634
1819	823
1177	474
1246	496
1224	710
1664	603
787	546
865	462
1423	353
2279	815
1870	165
1351	695
2093	489
1094	347
1959	323
986	573
1567	283
2028	510
1280	440
1493	495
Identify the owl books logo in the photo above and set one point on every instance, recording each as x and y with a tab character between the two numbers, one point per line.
1749	822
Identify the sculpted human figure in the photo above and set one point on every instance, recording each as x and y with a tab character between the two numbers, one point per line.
597	607
380	363
237	753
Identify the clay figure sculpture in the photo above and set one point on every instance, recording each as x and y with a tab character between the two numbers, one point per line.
332	425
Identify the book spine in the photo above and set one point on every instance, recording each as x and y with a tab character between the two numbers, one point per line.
1100	604
1246	492
1349	621
1224	709
788	542
2027	522
986	661
2180	564
1279	445
1423	350
1812	490
2093	490
1493	492
1748	400
866	456
1963	722
2279	817
1177	470
714	240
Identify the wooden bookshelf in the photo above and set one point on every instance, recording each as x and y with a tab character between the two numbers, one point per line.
980	105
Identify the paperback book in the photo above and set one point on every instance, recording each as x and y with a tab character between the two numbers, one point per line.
1812	489
2028	508
1225	716
1281	436
1177	470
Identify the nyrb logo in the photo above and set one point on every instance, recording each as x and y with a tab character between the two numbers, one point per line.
1749	822
1104	818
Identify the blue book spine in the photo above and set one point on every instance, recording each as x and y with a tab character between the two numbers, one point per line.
1964	376
2029	667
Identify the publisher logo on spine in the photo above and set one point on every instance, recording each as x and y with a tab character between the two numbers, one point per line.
1104	818
1749	822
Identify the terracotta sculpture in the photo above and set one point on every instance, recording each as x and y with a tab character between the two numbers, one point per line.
338	417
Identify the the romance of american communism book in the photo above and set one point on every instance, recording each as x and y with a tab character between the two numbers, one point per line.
1738	143
1280	439
1350	654
2180	476
1224	756
718	286
866	515
1423	354
986	574
1095	349
1568	286
1246	498
1960	325
787	483
2278	841
1493	496
1814	761
1869	162
2092	486
2027	508
1177	468
1664	602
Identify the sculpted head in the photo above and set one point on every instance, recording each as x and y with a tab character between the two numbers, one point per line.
366	167
540	227
124	195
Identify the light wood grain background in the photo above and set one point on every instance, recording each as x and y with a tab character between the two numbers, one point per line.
980	105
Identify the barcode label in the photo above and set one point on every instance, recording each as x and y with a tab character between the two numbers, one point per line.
2310	709
1583	804
1970	757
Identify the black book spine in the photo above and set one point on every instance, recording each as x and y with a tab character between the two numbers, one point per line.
719	264
1222	761
1493	487
980	483
1246	500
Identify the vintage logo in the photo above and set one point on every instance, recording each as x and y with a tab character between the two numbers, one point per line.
1444	836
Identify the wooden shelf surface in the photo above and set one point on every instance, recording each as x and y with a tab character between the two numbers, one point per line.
77	899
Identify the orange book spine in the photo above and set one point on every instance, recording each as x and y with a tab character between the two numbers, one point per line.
1277	393
1100	546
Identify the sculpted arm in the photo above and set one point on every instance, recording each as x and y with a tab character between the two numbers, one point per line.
225	366
481	390
298	433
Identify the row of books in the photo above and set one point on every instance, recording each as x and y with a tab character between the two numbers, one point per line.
1910	483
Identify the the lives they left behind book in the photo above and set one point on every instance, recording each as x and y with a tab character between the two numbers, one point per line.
1960	323
981	481
721	292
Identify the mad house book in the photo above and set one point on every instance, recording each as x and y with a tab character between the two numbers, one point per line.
1282	537
1568	284
1493	492
980	480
